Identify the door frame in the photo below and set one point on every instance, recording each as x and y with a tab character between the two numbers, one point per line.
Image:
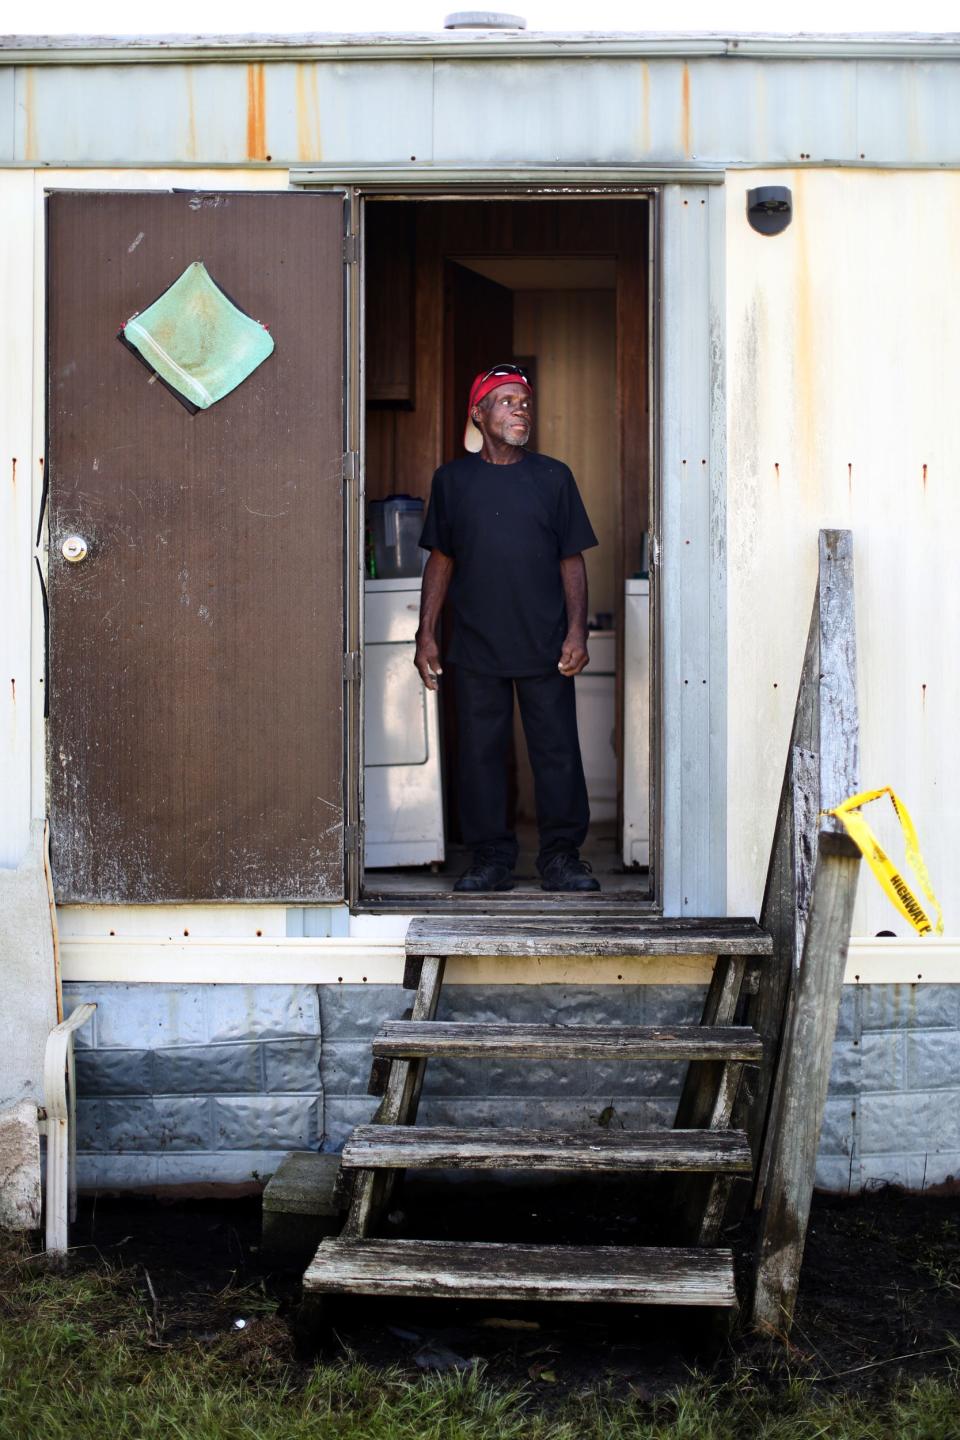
675	734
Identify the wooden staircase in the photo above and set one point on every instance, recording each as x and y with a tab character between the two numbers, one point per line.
715	1051
754	1095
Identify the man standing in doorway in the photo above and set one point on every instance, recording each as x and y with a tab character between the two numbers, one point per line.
506	530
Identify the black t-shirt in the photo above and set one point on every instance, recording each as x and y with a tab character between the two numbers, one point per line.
507	527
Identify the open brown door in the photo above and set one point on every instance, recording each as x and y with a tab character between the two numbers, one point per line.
196	653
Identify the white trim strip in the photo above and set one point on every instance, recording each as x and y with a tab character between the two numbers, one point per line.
416	176
473	45
357	961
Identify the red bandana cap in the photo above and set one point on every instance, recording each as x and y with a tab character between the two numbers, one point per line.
486	381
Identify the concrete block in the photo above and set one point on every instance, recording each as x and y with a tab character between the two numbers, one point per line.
354	1012
114	1072
915	1172
261	1012
75	994
291	1065
672	1004
267	1122
839	1173
848	1018
882	1060
341	1113
299	1207
90	1130
345	1067
145	1017
572	1113
845	1067
918	1121
160	1123
933	1060
910	1007
208	1070
19	1167
838	1131
197	1170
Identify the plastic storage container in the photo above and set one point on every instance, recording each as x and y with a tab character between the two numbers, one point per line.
396	524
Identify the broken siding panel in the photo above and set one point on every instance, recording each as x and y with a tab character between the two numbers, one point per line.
20	676
844	341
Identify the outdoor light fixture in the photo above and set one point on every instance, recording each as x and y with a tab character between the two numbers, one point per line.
769	208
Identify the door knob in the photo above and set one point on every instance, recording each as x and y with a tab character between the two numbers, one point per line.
75	549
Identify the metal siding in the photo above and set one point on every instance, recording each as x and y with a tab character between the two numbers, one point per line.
557	110
909	113
844	345
691	563
17	523
217	114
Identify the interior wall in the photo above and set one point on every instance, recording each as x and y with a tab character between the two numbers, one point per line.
844	347
572	335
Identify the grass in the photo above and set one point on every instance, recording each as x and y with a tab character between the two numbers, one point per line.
87	1355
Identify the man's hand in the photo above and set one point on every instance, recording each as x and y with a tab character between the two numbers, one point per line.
573	656
427	660
433	592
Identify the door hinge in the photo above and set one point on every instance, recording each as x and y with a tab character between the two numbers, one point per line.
351	667
351	836
351	249
351	465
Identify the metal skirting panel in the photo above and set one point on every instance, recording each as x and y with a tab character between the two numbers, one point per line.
692	560
212	1084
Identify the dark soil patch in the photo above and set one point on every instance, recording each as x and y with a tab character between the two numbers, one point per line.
878	1299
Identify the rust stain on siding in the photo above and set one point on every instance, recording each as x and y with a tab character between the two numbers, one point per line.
256	112
308	113
29	125
191	118
645	107
803	356
685	110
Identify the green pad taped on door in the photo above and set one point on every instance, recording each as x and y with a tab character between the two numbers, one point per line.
198	342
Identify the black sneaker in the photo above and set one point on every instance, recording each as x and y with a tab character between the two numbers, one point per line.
567	872
485	875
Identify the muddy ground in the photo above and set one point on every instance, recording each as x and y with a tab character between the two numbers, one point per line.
879	1295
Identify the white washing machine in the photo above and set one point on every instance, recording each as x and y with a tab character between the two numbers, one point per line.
403	790
596	690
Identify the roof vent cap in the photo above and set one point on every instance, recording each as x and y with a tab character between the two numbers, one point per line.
483	20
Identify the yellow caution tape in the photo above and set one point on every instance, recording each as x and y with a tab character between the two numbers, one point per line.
880	863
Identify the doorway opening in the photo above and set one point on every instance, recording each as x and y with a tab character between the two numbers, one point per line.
562	287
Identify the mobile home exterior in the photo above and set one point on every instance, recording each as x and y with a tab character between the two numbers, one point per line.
800	380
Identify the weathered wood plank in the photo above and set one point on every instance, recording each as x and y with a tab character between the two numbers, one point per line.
478	1271
445	1148
510	936
802	1092
455	1039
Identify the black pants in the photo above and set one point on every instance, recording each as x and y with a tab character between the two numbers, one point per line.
485	723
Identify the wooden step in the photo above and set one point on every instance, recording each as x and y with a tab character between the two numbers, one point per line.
435	1269
594	935
402	1147
406	1039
